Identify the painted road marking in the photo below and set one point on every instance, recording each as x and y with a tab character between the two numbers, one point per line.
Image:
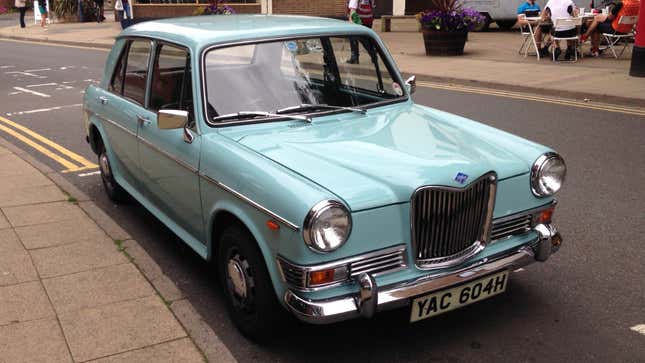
88	174
23	134
37	70
43	109
26	74
531	97
5	67
32	92
57	45
640	328
41	85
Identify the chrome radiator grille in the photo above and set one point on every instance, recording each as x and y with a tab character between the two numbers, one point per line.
449	224
379	263
509	227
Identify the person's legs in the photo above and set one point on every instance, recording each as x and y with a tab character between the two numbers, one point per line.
600	18
126	10
23	10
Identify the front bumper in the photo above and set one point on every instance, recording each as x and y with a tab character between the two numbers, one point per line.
372	298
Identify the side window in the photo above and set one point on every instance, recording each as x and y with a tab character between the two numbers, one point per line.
171	80
116	85
136	71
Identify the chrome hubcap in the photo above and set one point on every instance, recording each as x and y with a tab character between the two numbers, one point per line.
237	277
104	164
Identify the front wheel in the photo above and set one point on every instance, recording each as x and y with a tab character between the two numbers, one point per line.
250	297
113	190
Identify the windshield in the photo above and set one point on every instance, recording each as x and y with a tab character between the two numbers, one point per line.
297	76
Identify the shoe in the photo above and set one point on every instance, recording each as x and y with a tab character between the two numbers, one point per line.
352	61
544	52
568	54
557	53
583	38
594	53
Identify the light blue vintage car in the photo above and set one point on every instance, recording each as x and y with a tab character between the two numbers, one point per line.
288	151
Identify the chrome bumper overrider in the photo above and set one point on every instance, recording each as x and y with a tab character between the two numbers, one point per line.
372	298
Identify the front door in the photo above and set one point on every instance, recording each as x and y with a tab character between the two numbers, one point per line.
169	159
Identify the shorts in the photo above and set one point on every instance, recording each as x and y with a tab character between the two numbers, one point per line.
546	27
605	27
99	2
565	33
42	9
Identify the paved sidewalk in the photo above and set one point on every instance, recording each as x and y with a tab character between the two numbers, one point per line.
67	291
490	60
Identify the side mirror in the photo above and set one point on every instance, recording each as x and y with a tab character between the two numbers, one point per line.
171	119
411	84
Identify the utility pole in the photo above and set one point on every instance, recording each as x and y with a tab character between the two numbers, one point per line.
637	68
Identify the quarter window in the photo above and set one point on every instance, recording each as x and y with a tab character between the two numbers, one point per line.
116	85
136	71
171	80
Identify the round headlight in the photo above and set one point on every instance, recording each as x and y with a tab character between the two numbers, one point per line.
547	174
327	226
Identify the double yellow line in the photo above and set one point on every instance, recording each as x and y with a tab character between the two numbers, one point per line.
71	161
530	97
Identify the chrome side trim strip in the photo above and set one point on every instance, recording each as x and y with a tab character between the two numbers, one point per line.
114	123
252	203
182	163
553	203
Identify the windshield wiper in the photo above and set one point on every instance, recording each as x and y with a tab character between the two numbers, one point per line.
247	114
309	106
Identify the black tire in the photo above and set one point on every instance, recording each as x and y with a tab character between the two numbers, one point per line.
113	190
256	312
505	24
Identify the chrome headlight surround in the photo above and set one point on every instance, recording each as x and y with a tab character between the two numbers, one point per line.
547	174
318	230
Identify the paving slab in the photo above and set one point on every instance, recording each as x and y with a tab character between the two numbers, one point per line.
120	327
42	213
33	341
4	151
14	182
59	233
182	350
35	195
11	164
76	257
4	223
24	302
97	287
15	263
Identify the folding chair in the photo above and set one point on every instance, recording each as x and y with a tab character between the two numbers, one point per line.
575	22
613	39
526	31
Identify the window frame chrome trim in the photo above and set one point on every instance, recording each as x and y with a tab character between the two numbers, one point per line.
251	202
344	262
477	245
391	66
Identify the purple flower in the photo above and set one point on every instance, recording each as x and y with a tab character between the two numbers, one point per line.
454	19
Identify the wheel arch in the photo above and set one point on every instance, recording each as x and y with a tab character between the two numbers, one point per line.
226	214
96	138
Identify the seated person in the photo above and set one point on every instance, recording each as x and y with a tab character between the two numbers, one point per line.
531	8
556	9
608	23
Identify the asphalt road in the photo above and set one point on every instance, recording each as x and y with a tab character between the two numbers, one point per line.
578	306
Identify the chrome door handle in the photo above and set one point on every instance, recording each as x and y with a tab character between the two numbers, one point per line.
103	100
143	121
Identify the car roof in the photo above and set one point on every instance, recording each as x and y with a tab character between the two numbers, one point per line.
200	31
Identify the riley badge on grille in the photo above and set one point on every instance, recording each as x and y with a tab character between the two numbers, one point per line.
461	178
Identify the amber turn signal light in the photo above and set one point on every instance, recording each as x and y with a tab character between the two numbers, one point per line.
545	216
272	225
321	277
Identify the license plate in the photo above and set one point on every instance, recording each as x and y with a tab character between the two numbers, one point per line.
450	299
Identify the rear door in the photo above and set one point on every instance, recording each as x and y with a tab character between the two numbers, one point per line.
123	109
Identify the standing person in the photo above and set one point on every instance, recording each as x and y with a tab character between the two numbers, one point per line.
42	7
22	7
362	10
99	13
126	9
